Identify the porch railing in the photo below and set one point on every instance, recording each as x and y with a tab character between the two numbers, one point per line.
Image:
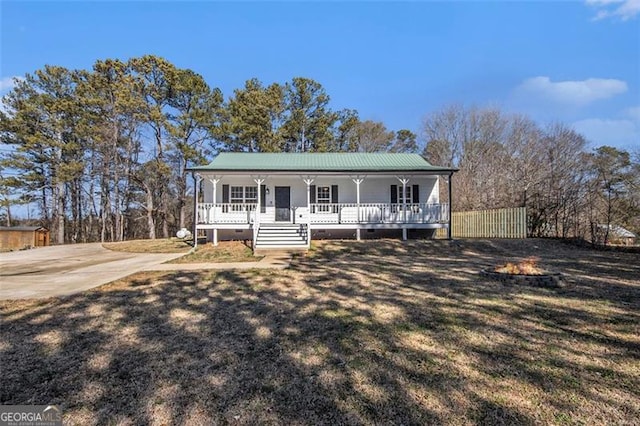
378	213
226	213
333	213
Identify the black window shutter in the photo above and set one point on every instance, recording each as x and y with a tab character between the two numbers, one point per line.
225	193
394	197
263	199
225	197
334	197
416	193
312	197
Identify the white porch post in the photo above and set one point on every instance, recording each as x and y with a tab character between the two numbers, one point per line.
404	182
214	181
196	184
358	180
256	217
308	181
449	231
259	181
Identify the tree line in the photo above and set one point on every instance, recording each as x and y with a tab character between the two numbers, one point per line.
104	152
508	160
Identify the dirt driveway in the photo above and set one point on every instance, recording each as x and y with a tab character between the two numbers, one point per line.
60	270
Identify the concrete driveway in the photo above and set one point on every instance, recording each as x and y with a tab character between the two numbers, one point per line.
60	270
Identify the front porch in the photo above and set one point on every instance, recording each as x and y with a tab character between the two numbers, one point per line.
324	214
293	227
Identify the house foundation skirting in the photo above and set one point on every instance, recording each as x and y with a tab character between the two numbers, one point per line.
315	226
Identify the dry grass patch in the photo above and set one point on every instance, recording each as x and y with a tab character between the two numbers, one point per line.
165	245
377	332
226	251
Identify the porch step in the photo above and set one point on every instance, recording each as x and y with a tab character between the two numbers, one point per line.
276	236
289	231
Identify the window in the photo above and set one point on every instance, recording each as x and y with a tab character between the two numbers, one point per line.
250	194
243	195
396	197
323	196
408	195
237	194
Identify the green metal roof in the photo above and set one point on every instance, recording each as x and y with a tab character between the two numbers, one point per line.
320	162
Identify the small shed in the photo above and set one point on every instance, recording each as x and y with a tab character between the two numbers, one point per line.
619	235
21	237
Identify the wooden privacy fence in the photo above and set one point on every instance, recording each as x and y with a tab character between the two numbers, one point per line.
494	223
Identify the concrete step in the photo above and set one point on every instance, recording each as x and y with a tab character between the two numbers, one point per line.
300	241
301	246
271	249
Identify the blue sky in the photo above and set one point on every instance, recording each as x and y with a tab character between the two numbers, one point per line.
575	62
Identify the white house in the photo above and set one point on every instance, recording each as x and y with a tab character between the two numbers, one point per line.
286	199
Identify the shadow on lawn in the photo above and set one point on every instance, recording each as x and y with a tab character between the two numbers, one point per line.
357	333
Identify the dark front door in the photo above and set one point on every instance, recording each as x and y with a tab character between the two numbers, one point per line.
283	203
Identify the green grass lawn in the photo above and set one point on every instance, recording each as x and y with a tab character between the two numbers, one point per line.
372	332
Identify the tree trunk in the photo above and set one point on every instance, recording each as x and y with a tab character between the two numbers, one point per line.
75	214
117	232
150	220
606	232
8	213
182	188
60	211
103	217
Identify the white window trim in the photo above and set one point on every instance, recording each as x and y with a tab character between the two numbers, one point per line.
324	200
409	191
242	200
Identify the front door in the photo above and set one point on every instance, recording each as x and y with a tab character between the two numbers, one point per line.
283	204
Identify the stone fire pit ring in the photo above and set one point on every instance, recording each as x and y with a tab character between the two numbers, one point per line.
549	280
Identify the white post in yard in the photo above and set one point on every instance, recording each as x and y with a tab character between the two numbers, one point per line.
358	180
